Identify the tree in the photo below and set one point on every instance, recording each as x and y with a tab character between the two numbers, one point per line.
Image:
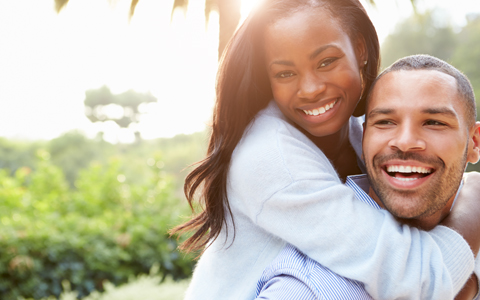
467	59
419	34
101	105
467	54
228	11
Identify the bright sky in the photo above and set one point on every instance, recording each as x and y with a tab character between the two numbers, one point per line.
47	61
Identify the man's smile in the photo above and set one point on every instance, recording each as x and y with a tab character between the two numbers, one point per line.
407	172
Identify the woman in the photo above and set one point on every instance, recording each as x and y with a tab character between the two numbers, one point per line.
274	169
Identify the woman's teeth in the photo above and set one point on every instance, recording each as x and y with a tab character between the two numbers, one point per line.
320	110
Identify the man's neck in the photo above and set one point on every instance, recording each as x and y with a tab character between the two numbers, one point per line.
421	222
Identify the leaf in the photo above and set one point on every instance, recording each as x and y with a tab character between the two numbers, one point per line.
372	3
59	4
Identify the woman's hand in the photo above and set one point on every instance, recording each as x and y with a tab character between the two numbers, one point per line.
470	289
465	215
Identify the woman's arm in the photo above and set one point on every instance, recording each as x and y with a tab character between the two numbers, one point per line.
464	219
465	215
469	290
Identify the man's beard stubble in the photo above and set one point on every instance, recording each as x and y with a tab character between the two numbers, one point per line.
429	199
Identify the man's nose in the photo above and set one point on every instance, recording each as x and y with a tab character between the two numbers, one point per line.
407	138
311	86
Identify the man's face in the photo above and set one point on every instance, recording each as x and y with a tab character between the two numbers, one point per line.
416	142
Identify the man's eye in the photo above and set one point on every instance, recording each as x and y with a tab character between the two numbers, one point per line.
284	74
326	62
434	123
384	122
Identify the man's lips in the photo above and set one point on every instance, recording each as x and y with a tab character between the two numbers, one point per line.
406	174
408	169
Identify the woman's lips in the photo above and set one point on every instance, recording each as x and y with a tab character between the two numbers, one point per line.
321	109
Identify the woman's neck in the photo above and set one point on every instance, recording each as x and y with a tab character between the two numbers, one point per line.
339	151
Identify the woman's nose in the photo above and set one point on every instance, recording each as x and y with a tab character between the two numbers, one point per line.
311	86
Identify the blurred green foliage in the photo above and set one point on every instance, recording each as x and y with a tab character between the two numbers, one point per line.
426	33
106	220
73	152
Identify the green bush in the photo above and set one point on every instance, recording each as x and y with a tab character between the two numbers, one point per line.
104	229
150	287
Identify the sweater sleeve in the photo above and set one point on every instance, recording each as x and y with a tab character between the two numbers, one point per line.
290	189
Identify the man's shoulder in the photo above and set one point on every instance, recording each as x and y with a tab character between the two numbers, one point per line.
310	275
291	267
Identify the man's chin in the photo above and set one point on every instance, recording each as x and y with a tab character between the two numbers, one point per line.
405	209
405	204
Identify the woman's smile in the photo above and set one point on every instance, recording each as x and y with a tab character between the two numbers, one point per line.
320	110
317	114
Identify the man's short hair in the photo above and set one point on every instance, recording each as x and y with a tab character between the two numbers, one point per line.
427	62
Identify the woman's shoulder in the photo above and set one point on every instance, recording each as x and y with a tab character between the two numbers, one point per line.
272	147
270	131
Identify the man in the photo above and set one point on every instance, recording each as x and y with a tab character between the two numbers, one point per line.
419	134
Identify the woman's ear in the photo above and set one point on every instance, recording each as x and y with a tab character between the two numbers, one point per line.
361	52
474	144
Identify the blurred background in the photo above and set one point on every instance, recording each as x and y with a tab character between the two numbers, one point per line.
105	104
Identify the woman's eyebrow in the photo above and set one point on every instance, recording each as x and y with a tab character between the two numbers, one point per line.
312	56
321	49
282	62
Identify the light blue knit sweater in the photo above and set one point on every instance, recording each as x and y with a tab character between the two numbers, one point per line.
282	188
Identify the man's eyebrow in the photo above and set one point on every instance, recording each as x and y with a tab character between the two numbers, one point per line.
380	111
440	111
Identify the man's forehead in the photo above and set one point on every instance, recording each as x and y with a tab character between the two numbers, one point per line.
418	89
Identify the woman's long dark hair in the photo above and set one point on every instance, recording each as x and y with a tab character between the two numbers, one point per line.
242	90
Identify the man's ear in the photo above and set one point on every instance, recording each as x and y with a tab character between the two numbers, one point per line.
363	138
474	144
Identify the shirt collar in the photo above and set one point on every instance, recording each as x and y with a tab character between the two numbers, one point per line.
361	185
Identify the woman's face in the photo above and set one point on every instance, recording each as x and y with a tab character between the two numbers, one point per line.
314	70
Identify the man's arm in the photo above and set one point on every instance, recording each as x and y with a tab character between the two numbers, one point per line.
286	287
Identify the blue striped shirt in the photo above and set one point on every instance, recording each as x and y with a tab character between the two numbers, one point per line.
293	275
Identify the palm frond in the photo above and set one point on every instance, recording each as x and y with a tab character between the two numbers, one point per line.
179	4
133	5
210	5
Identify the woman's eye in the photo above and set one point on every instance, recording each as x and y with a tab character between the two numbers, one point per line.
326	62
284	74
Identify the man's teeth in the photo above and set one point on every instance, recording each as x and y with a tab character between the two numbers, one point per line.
320	110
408	169
406	179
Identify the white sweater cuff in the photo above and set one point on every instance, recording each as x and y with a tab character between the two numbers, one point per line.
458	257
